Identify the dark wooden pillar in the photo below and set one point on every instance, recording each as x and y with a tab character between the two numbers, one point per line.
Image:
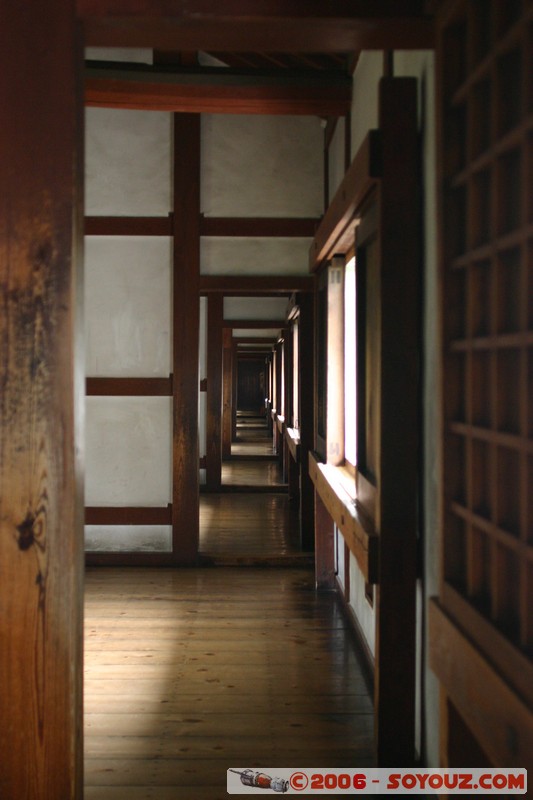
234	382
394	682
185	491
41	402
227	394
307	414
214	390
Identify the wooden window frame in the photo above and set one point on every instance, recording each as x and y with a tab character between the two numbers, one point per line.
387	509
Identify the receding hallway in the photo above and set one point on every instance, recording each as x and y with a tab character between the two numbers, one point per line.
190	672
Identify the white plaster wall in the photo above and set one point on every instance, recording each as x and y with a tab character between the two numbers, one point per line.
363	610
421	64
255	333
128	306
365	96
128	451
121	538
339	556
249	256
255	308
336	159
261	166
127	162
135	55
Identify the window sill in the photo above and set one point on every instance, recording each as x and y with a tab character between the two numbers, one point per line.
292	437
359	534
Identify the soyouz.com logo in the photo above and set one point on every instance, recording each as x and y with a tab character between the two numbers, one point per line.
244	780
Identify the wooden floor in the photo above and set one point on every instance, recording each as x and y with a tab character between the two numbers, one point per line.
190	672
250	528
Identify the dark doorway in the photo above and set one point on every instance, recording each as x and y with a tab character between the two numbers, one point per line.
251	384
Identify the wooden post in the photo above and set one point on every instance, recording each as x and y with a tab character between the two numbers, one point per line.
307	417
227	363
215	317
186	304
41	402
399	419
234	379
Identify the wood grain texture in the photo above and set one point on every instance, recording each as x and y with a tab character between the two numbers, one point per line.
129	387
188	673
41	402
500	720
313	28
398	471
186	321
217	91
128	226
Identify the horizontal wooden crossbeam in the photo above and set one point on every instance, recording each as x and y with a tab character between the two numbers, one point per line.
129	387
266	26
237	285
214	91
277	227
259	226
131	515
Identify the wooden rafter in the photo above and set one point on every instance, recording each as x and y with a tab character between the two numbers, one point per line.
212	90
268	26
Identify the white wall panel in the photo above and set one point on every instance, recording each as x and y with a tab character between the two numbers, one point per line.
365	96
336	159
363	610
249	256
135	55
128	306
255	333
255	307
127	538
128	451
261	166
127	162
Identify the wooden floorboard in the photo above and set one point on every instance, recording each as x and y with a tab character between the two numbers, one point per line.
251	528
189	672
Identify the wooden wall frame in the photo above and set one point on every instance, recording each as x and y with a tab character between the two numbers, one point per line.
387	165
484	616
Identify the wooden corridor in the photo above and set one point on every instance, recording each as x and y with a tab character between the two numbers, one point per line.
189	672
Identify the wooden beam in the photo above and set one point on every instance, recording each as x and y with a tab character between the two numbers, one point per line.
186	323
307	417
335	233
243	26
129	387
128	226
128	515
215	312
215	91
259	226
41	403
253	324
255	341
250	285
398	478
227	365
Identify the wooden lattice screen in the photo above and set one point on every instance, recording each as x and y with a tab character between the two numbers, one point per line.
485	54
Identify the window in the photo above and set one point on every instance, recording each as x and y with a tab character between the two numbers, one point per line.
350	413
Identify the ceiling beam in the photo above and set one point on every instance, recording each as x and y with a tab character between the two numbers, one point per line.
255	285
265	26
215	91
